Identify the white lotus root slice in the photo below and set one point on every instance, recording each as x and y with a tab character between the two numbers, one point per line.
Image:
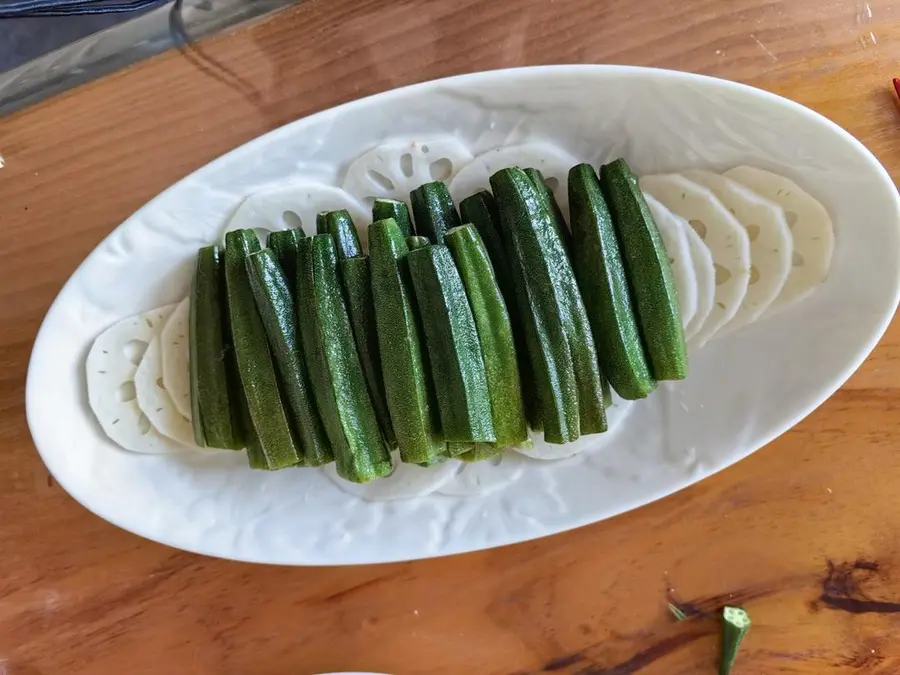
705	276
396	168
176	357
679	253
552	162
771	244
723	235
407	481
486	476
810	226
294	204
111	367
154	400
615	417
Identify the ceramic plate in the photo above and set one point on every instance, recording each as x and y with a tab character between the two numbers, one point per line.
744	389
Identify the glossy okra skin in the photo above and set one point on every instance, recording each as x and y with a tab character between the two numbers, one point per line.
259	382
454	352
383	209
593	389
556	214
356	276
560	341
433	211
277	310
649	272
214	405
604	286
416	241
480	210
207	261
284	244
337	377
404	361
495	336
340	226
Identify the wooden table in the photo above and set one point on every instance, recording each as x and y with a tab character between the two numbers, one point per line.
805	534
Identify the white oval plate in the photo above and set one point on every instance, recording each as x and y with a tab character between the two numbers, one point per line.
744	390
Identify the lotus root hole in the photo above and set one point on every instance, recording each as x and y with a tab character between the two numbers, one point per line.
752	232
791	217
406	164
441	169
292	219
723	274
798	260
495	460
382	181
425	149
143	425
134	350
552	183
262	234
699	227
126	391
754	274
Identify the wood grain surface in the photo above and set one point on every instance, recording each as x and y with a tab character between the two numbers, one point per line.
805	533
